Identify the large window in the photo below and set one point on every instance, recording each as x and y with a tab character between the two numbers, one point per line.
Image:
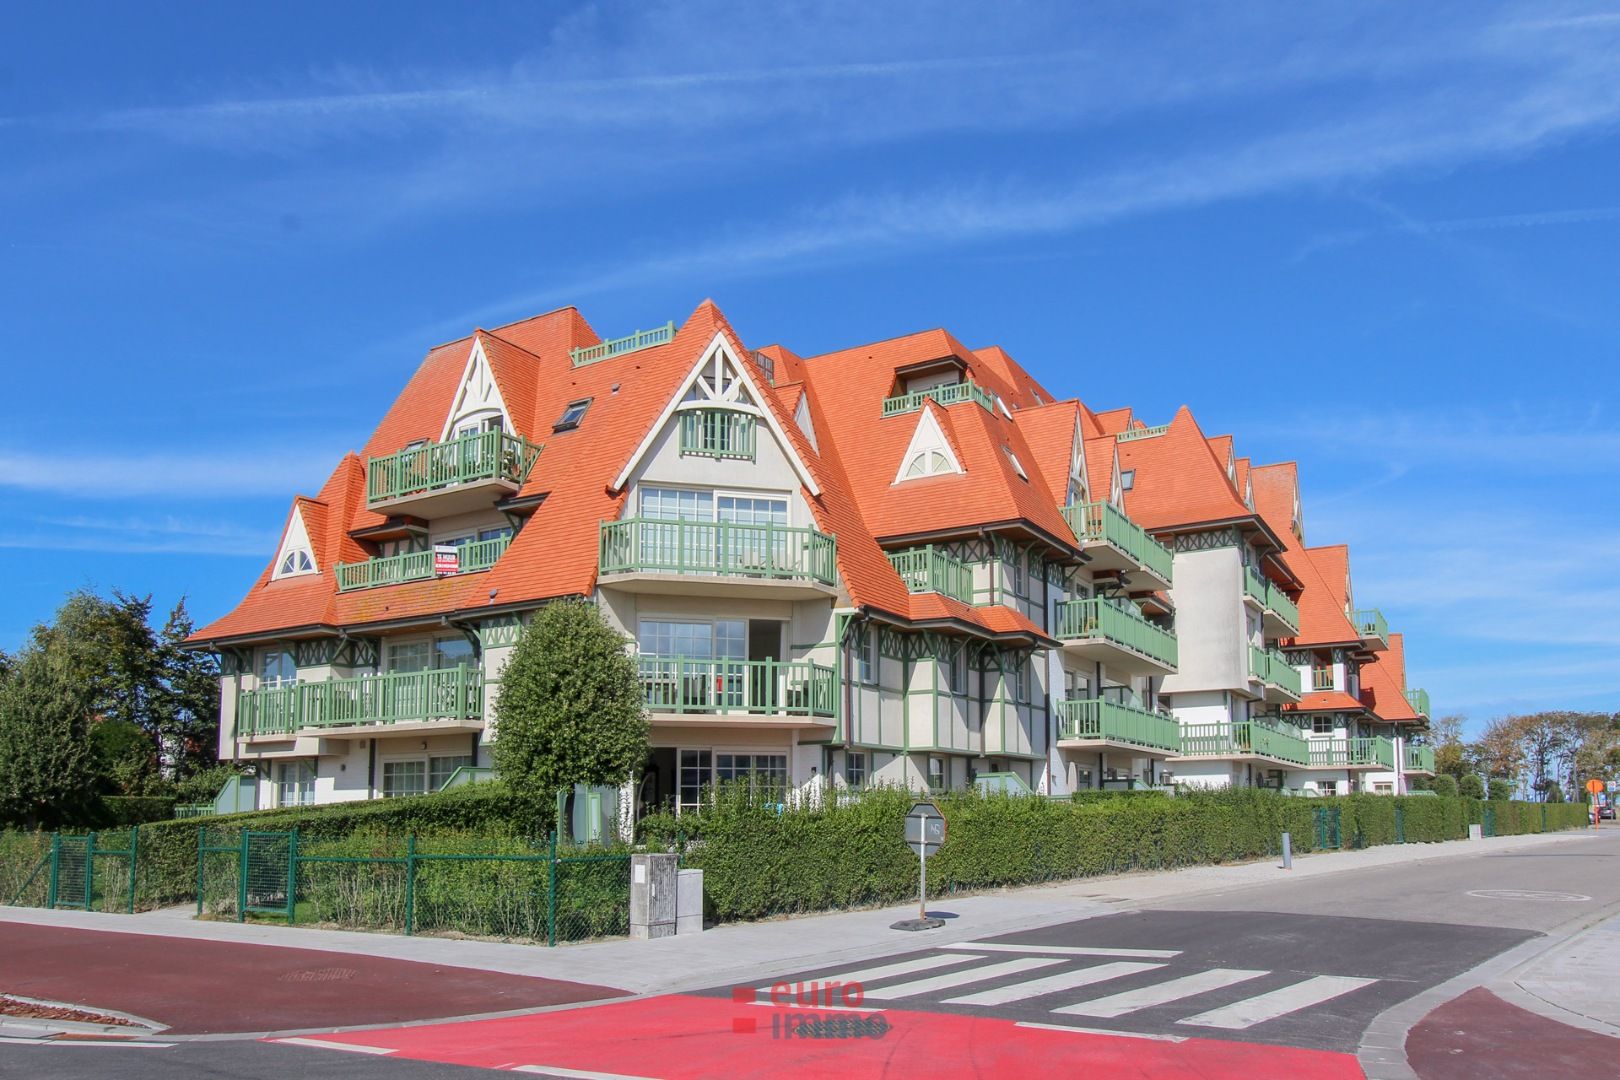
855	769
452	650
1321	725
404	777
724	639
277	667
696	769
765	774
295	783
677	504
441	768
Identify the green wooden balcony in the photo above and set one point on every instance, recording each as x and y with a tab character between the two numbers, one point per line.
718	433
1419	759
454	696
416	565
1115	542
1418	699
1247	738
717	552
1101	720
641	339
1374	629
463	474
1359	753
1279	677
1282	613
949	394
1116	633
683	684
931	569
1254	587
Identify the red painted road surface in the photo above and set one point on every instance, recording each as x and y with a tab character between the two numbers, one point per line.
1479	1034
678	1037
199	987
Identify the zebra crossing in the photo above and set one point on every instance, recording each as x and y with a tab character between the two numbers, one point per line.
1118	985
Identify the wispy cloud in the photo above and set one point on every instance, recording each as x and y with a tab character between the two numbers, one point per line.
137	535
206	472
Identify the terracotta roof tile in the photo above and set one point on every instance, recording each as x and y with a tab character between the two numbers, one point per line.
1179	482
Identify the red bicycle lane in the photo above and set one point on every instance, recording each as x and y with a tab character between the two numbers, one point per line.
686	1037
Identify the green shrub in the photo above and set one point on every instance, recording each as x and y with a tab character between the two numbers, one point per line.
1500	790
122	811
1470	786
1103	796
1444	785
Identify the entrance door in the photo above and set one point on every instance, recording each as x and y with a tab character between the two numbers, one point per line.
764	644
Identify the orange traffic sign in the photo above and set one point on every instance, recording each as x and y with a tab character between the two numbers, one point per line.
1596	787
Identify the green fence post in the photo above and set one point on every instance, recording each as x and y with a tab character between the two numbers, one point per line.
90	871
551	892
56	862
410	884
1400	825
201	843
241	878
134	852
1543	826
292	877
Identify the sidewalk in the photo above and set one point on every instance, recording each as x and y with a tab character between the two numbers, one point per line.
1570	982
745	951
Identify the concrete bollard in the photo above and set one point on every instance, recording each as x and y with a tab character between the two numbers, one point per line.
689	902
1288	852
653	894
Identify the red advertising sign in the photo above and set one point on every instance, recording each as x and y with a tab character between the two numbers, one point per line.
446	559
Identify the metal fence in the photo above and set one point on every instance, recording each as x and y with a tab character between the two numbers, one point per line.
533	892
89	871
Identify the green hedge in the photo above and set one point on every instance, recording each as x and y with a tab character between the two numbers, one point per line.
123	811
759	862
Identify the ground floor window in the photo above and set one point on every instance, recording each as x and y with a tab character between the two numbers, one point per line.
936	774
765	774
441	769
295	783
1383	789
855	770
404	778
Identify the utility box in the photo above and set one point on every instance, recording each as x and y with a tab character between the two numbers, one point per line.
653	896
689	902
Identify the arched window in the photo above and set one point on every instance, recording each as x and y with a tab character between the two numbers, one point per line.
296	561
928	463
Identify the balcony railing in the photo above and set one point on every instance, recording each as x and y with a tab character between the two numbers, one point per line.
483	455
718	433
1101	522
1419	758
1418	698
680	684
949	394
1097	718
718	549
1273	669
416	565
929	569
1279	604
1121	624
1348	753
1370	622
641	339
1234	739
399	697
1254	586
1130	434
1322	678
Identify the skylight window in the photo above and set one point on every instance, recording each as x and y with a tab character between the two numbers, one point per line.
1017	465
572	415
1127	479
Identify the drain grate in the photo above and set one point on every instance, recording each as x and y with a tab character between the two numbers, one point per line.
326	974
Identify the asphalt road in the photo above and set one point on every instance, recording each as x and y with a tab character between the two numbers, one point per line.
1274	980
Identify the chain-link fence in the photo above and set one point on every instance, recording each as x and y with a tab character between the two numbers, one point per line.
460	885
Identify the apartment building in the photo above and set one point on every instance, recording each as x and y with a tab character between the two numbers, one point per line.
906	562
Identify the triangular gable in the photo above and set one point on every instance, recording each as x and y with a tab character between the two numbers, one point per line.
296	544
1078	482
718	379
801	417
928	439
478	395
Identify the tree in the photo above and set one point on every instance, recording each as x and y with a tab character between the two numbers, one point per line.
126	763
570	709
1470	786
47	768
186	706
1451	754
1501	789
1444	784
107	647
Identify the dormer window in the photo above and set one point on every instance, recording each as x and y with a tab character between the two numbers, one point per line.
1127	479
572	415
928	463
296	562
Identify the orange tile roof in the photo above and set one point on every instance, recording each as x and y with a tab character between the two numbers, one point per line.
1383	684
1326	701
1179	482
1322	618
1275	489
1115	421
1050	431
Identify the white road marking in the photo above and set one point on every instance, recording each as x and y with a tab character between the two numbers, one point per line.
578	1074
1051	984
1068	950
1101	1031
882	971
959	978
1263	1007
324	1044
9	1040
1160	993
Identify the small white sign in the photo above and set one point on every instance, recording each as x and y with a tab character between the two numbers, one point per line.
638	874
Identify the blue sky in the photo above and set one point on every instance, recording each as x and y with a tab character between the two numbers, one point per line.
1381	240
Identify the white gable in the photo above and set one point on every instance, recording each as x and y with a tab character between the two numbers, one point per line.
717	380
1078	481
801	416
1116	484
478	397
296	555
929	453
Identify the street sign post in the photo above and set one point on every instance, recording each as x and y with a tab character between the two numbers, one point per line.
1594	788
925	833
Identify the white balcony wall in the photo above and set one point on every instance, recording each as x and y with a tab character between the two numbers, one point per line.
1212	624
